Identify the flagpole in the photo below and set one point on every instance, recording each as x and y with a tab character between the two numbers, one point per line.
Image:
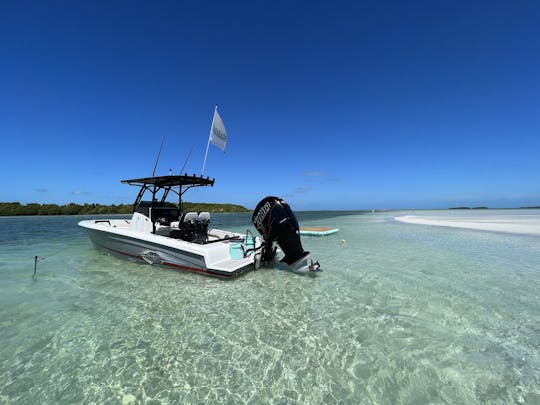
208	144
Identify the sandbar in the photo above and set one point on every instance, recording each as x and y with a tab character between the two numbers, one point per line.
517	224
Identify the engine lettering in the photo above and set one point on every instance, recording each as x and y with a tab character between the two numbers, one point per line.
265	209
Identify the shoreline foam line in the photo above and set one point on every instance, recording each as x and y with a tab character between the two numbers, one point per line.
522	224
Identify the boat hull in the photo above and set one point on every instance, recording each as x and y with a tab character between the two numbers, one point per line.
141	249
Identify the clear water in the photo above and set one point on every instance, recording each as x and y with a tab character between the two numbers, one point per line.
402	314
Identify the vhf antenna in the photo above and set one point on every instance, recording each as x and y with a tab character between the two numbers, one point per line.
159	153
187	159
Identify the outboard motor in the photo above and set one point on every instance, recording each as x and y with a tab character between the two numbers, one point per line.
275	221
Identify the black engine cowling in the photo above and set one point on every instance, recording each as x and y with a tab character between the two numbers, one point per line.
275	221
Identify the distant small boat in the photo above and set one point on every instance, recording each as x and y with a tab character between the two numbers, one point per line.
317	231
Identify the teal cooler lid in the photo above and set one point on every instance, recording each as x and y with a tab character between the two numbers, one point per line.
236	251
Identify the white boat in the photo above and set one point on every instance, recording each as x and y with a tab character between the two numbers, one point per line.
160	233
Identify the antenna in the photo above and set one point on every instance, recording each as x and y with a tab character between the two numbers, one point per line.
159	153
188	156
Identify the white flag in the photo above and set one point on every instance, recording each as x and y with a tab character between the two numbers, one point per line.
218	135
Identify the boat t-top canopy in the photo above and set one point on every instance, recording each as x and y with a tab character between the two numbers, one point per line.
171	181
166	183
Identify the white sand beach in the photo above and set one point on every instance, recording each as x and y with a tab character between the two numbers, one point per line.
518	224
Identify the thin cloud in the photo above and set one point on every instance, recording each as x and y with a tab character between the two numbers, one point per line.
314	173
302	190
321	177
41	190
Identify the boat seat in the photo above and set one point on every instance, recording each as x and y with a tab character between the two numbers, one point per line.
204	217
202	232
190	217
189	226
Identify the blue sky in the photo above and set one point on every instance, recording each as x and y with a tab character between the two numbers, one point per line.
332	105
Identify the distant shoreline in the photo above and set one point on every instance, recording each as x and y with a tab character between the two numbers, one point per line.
18	209
33	209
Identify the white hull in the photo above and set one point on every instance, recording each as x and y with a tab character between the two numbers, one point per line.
221	258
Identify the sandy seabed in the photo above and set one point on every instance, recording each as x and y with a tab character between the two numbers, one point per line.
520	224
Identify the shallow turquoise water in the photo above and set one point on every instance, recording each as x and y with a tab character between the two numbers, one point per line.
402	314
